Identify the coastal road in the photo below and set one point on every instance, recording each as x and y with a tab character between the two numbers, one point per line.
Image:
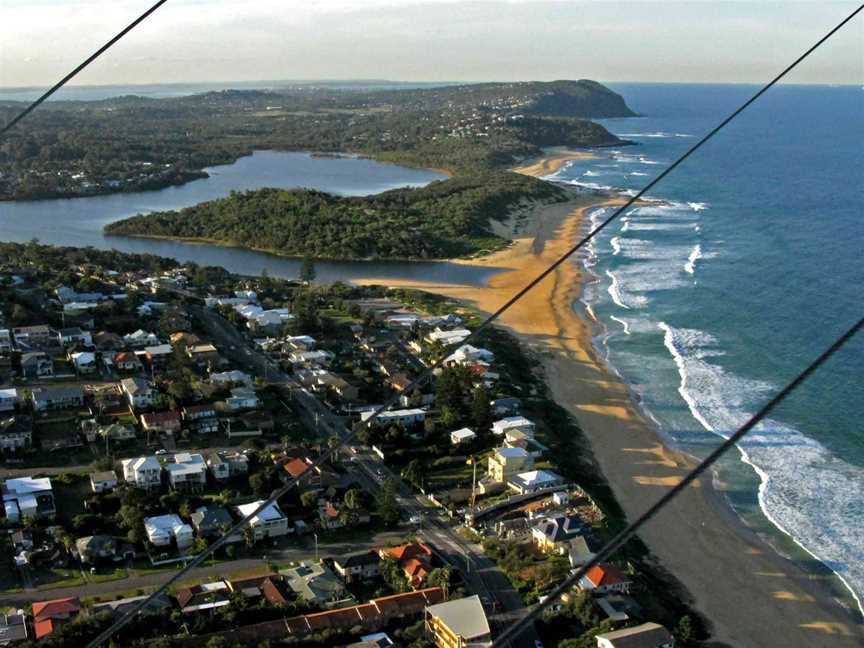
294	550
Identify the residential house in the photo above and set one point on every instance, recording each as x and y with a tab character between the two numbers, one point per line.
459	623
604	579
212	521
28	497
404	417
160	422
269	588
578	552
104	481
534	480
8	399
126	361
219	468
447	338
361	565
465	435
142	472
315	583
271	522
188	472
233	377
203	597
13	628
203	354
5	341
49	615
163	529
121	606
56	397
158	355
227	463
300	342
34	338
318	358
374	640
117	432
520	423
469	355
506	462
242	398
84	362
553	535
138	392
75	336
415	559
647	635
16	433
95	549
36	365
338	385
106	341
201	418
502	406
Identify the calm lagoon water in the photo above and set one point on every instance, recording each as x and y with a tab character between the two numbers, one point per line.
79	221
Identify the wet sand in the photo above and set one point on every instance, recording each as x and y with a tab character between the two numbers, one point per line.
751	595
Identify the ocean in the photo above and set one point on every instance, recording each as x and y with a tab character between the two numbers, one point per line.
743	269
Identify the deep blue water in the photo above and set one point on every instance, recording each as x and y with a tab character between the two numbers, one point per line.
713	299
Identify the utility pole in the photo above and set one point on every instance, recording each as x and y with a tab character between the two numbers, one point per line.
315	535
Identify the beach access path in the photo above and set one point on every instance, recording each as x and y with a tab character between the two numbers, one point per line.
751	595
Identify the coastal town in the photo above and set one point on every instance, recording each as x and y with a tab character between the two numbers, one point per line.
148	407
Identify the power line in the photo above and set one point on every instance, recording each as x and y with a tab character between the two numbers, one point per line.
78	69
200	558
623	536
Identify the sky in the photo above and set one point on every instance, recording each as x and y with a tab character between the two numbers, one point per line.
427	40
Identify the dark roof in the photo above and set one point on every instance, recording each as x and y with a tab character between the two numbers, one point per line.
358	559
561	529
211	517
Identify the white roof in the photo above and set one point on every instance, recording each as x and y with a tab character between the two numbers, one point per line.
272	512
169	523
464	433
535	477
465	616
27	485
394	413
512	452
511	422
141	463
9	393
158	349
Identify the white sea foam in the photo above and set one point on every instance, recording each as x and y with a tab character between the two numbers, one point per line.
655	134
797	474
616	245
622	323
614	293
591	174
695	255
637	173
697	206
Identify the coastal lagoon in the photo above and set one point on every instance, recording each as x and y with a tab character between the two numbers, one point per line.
746	267
79	221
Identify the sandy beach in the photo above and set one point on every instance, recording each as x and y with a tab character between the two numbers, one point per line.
750	594
553	161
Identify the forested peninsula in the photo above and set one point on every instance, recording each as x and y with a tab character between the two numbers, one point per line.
449	218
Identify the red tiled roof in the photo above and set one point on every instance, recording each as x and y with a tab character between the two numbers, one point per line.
43	628
157	418
330	511
124	356
606	575
56	607
296	467
411	550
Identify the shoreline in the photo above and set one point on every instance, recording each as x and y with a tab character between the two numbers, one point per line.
702	541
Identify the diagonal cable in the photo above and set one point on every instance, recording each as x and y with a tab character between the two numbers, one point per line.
420	380
78	69
516	628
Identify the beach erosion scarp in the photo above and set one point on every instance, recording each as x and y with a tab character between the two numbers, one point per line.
697	538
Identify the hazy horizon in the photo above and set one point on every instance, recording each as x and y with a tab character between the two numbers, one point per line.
426	41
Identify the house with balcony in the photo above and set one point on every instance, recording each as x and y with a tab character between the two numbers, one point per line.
127	362
513	423
142	472
138	392
36	365
361	565
16	433
242	398
103	481
458	623
57	397
163	530
533	481
73	336
160	422
269	523
34	338
188	472
201	418
506	462
605	579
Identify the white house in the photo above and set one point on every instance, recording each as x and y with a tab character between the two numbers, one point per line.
235	376
534	480
162	529
317	358
140	339
604	579
138	392
394	417
456	336
28	497
188	472
142	472
8	399
242	398
362	565
84	361
270	522
462	436
513	423
103	482
467	354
